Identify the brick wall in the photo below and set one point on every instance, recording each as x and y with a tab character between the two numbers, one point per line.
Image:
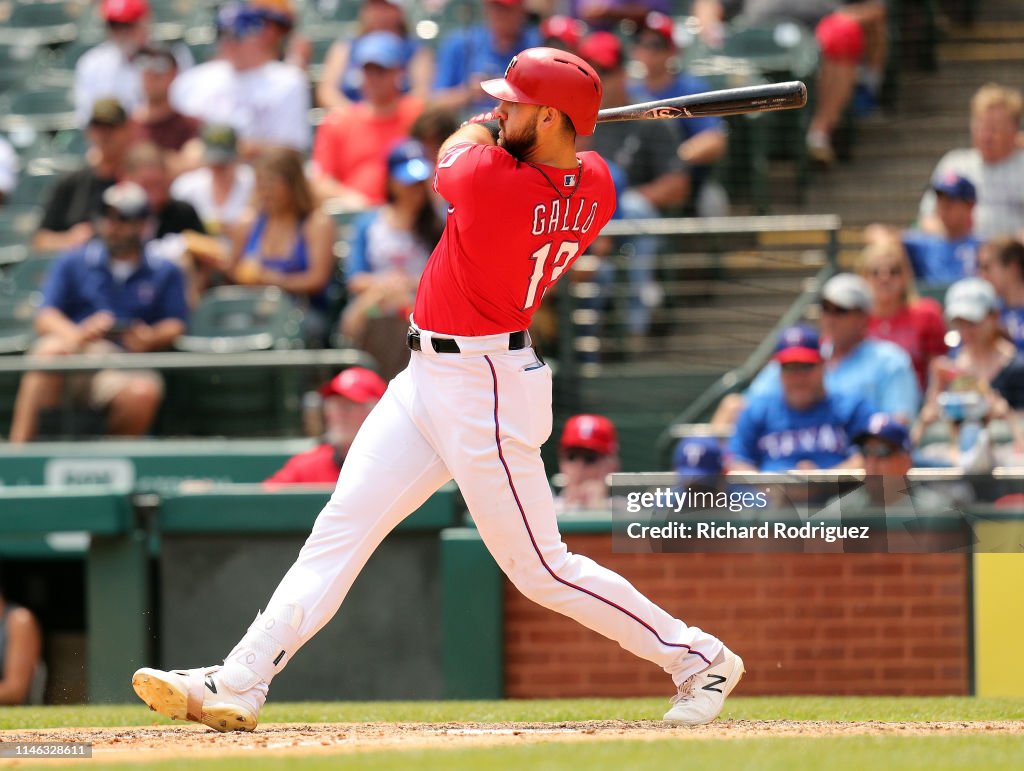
893	624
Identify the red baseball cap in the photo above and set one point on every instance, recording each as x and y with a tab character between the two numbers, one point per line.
602	50
507	2
124	11
798	345
565	29
660	23
356	383
591	432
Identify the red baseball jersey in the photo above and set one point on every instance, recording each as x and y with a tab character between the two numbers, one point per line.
513	230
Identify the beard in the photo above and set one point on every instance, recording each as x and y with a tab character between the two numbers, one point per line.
519	145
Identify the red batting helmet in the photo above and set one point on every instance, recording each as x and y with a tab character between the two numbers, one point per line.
553	78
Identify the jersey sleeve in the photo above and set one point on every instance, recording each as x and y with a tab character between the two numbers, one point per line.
56	284
466	165
173	304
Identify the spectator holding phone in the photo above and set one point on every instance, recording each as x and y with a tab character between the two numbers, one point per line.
107	296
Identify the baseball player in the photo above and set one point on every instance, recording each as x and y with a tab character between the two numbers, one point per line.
474	404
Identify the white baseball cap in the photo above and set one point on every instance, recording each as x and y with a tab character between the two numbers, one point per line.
848	291
970	299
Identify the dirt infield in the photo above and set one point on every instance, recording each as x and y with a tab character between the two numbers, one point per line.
162	742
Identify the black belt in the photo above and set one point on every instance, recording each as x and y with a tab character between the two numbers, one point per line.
516	341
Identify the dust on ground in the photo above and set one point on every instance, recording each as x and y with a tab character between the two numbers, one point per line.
161	742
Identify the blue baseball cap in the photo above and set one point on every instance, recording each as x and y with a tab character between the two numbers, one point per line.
385	49
697	456
888	429
408	164
798	344
238	20
955	186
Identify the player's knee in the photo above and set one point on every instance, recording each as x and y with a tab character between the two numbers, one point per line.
841	38
535	579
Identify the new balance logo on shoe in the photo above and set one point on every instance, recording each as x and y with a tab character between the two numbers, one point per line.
210	684
718	681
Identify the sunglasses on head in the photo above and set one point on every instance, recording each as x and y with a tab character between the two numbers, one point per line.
878	451
121	25
888	271
835	310
798	366
587	457
115	216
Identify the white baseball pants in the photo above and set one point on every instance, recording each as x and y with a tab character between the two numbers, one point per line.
479	417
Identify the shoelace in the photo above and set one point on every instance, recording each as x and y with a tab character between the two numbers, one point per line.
685	692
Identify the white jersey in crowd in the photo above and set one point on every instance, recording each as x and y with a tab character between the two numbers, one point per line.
196	187
1000	186
398	250
8	167
268	104
105	71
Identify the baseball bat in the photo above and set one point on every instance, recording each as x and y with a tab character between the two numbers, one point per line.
730	101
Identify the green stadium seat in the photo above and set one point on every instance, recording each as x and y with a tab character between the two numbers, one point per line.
42	24
15	67
231	319
33	189
16	322
27	275
43	109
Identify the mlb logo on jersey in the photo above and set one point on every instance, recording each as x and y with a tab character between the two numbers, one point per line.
569	180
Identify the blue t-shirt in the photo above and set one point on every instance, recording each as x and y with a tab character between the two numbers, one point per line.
878	370
774	437
471	52
938	260
80	283
1013	323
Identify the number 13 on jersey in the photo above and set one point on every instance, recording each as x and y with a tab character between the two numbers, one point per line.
552	268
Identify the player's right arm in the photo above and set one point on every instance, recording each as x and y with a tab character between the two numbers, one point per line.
472	133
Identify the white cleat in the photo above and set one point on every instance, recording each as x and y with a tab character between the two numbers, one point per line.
198	695
701	697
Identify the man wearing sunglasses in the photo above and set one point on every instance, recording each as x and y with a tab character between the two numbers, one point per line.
855	364
107	296
805	426
587	453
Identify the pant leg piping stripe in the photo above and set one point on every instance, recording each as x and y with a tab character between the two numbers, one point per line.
533	542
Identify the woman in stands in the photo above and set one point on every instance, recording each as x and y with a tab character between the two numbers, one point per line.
288	242
20	654
390	248
898	314
341	81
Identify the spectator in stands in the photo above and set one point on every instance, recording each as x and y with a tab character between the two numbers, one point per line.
288	242
8	170
146	166
855	364
291	47
352	143
221	189
703	141
75	200
698	461
342	79
653	178
588	452
848	33
607	14
106	71
434	125
562	32
803	425
898	314
1004	260
995	164
981	381
347	399
265	100
389	250
467	57
155	120
21	653
951	254
103	297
